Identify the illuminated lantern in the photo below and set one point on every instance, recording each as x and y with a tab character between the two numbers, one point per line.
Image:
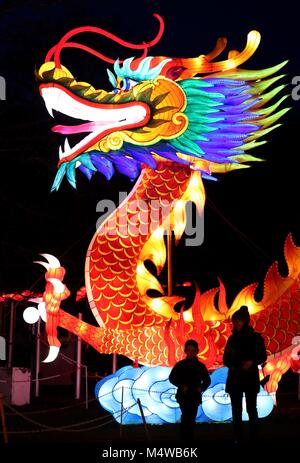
118	393
31	315
170	123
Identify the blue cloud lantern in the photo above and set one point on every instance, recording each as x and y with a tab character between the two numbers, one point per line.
152	387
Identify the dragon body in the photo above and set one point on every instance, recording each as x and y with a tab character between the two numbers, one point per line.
276	317
169	122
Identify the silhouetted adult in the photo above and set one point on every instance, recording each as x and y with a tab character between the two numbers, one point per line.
192	379
244	351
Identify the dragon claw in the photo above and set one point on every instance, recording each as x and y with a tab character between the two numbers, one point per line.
58	286
52	355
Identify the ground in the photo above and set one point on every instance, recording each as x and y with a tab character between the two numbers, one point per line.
38	430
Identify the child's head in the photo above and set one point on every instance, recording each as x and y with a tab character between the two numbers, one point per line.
241	318
191	348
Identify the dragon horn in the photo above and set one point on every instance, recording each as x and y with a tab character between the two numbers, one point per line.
44	264
203	64
52	261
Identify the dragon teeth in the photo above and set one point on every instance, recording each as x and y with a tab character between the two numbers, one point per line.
49	107
67	147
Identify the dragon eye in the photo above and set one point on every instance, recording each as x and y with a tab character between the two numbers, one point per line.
126	84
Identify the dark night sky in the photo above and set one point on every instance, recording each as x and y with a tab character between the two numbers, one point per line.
248	212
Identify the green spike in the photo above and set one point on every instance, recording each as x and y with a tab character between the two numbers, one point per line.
261	133
191	134
243	74
261	86
205	96
194	117
183	146
194	83
245	158
179	146
251	145
267	111
191	144
267	96
203	93
193	107
203	102
194	135
267	121
235	166
200	128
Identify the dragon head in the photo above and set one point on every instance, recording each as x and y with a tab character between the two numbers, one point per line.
159	108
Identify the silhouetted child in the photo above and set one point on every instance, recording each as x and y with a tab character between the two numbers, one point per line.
192	379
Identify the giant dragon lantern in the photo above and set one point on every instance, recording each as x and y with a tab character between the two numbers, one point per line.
169	123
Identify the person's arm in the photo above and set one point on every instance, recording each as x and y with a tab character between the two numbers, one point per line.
229	355
175	376
260	352
205	378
